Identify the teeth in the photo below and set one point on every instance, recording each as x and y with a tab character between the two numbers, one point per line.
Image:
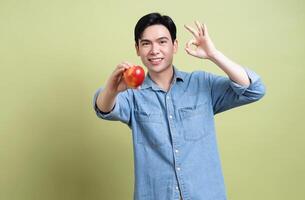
155	59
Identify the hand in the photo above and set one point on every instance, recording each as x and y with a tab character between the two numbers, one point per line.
204	47
116	83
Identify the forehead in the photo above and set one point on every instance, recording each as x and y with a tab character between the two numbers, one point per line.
155	32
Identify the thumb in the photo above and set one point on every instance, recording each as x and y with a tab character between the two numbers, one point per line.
190	51
188	47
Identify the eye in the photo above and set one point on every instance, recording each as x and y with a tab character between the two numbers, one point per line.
145	43
163	41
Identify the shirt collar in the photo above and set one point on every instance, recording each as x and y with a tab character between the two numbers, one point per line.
149	83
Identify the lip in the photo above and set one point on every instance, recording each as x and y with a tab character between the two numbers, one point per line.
155	61
154	58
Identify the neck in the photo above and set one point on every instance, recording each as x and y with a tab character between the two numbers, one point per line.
163	79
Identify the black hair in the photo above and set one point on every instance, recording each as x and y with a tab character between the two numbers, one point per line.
154	19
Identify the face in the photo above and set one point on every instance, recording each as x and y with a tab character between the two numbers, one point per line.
156	48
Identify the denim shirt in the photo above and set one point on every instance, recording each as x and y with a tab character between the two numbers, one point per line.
173	132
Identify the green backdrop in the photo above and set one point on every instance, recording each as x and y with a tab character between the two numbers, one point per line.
55	54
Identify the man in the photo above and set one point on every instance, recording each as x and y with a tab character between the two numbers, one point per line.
172	114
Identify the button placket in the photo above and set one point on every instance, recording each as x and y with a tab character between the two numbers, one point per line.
175	148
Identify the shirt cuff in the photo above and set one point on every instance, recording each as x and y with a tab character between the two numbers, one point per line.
99	113
240	89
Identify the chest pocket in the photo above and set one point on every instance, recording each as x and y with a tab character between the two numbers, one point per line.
151	129
194	121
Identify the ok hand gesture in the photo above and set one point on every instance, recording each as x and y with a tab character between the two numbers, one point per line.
203	45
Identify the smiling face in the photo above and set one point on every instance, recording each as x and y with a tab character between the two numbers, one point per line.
156	48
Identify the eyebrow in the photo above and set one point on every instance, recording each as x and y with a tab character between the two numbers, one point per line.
147	40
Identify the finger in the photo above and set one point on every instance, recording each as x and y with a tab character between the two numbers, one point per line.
119	71
188	47
190	29
123	66
199	27
190	51
205	29
128	64
191	42
202	28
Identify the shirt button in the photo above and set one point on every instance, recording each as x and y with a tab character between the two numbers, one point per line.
177	188
171	116
176	150
178	168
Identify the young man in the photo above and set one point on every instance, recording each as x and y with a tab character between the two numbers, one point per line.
172	114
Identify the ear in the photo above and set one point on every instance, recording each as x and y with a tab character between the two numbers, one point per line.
137	49
175	46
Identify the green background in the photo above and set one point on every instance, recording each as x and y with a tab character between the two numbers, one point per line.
55	54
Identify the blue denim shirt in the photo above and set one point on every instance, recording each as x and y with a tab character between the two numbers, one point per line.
174	141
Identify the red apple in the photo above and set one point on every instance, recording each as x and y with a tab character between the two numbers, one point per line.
134	76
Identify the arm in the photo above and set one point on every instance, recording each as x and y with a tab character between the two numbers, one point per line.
114	101
205	49
242	86
115	84
235	72
106	101
226	94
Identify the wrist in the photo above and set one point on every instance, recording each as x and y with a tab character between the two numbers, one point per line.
111	93
215	55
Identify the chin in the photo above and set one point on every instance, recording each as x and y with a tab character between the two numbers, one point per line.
157	68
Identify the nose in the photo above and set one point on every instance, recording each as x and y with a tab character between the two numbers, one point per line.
154	49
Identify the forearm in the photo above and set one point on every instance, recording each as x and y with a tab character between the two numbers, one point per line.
106	100
235	72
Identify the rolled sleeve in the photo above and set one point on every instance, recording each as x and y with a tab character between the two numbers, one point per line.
120	111
240	89
227	94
